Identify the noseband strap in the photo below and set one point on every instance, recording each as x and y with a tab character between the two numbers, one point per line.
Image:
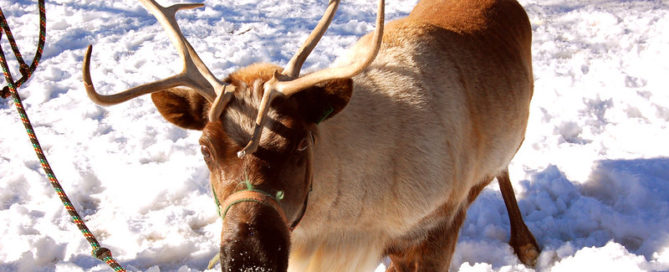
253	195
257	196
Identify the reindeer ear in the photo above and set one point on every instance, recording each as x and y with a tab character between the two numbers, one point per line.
324	100
182	107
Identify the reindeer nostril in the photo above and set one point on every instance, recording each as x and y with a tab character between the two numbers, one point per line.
245	230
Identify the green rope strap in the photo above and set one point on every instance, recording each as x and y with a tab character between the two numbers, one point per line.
276	198
99	252
249	187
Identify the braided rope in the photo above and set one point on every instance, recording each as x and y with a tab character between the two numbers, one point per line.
99	252
26	71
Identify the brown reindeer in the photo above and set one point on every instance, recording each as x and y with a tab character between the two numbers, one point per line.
382	156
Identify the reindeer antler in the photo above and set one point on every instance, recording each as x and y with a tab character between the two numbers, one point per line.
195	73
198	77
295	64
285	84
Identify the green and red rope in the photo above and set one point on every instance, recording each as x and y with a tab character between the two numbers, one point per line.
11	89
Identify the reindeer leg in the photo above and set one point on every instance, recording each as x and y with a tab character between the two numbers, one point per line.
522	241
434	252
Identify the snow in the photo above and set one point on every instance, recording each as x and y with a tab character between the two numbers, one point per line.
592	178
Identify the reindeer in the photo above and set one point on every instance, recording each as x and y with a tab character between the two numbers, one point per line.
381	156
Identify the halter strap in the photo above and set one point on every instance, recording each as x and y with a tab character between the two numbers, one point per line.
252	195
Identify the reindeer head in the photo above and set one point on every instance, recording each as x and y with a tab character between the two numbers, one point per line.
258	129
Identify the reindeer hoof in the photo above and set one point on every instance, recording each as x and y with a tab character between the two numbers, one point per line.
527	253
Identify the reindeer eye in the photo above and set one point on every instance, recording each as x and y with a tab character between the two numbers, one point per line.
205	152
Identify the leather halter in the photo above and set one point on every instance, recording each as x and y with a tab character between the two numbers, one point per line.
263	198
255	195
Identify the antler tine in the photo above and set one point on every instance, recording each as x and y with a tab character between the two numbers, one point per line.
221	101
295	64
107	100
195	73
278	85
267	98
290	87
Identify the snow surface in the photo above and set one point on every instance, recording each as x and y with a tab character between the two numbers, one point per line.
592	178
